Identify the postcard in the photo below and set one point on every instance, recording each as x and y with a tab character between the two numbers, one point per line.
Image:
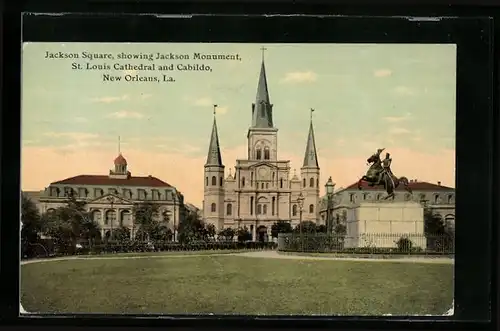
237	178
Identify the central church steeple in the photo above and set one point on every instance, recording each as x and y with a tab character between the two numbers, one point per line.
262	109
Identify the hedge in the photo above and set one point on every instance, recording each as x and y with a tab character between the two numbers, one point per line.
323	243
138	247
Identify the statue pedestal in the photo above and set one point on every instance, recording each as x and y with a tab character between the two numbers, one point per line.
382	224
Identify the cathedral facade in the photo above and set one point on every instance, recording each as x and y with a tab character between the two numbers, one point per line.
262	189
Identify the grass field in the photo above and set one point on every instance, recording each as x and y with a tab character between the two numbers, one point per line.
236	285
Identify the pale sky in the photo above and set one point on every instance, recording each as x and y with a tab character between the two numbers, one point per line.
367	96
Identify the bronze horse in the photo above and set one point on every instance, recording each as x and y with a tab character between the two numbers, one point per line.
388	181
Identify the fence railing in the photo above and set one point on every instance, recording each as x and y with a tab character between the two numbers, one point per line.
370	243
48	248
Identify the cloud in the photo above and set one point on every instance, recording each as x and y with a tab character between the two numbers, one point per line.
110	99
396	119
208	102
398	131
80	120
300	77
404	90
203	102
125	114
382	73
146	96
72	135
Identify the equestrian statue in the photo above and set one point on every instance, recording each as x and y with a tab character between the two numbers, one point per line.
380	173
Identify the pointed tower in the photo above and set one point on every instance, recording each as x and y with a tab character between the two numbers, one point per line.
213	203
310	177
262	135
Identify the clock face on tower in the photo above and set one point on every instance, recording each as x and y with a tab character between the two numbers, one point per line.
263	172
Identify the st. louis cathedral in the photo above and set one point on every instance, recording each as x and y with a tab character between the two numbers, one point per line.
260	192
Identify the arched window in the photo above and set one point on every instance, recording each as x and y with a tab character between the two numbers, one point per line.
281	182
258	154
450	198
262	185
214	180
213	207
264	209
365	196
311	182
251	205
317	182
206	181
272	206
243	182
436	198
229	209
311	209
266	153
294	210
259	209
304	182
220	181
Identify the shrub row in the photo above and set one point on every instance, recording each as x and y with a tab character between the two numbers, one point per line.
332	244
138	247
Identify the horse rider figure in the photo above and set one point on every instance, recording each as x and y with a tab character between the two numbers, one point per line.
375	171
386	166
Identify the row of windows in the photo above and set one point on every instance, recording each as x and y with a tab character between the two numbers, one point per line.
140	194
261	208
214	181
258	154
262	185
436	198
311	182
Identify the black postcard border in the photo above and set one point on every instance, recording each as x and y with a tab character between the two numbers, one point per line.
474	142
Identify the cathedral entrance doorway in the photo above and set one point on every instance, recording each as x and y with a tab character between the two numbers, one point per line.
262	233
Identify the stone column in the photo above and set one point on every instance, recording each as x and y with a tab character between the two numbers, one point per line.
103	218
254	231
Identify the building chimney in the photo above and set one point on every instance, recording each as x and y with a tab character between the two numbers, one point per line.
439	183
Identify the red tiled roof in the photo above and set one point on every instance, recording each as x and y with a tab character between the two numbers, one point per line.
415	186
107	181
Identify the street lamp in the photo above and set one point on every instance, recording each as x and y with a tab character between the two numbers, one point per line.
329	186
300	201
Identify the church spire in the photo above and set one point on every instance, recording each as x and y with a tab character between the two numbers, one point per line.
262	116
311	157
214	157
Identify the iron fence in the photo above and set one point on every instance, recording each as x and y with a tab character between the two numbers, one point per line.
370	243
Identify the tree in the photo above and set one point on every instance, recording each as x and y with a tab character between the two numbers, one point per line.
31	225
192	228
227	234
145	215
211	231
243	234
321	228
121	234
439	235
280	227
69	224
307	227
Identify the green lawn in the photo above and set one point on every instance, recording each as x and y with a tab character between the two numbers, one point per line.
233	284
